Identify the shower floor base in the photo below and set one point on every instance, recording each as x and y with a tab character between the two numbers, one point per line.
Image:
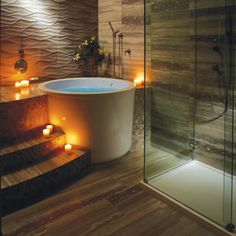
200	187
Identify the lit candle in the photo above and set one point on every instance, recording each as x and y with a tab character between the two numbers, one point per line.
46	133
138	82
24	83
50	127
17	84
68	147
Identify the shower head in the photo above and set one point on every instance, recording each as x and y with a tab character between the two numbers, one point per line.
112	29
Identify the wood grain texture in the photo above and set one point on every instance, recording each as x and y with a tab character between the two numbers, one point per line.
48	31
28	151
128	18
182	35
33	183
109	201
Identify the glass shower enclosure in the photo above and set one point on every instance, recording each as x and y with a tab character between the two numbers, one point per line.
190	104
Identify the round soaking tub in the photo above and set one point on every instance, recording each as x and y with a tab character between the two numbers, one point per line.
95	113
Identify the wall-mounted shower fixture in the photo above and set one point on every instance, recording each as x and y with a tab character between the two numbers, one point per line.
114	33
128	51
218	50
21	65
121	46
112	29
120	56
222	85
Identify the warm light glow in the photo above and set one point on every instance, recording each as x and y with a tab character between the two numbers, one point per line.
139	80
17	96
68	147
25	91
40	13
24	83
17	84
46	133
50	127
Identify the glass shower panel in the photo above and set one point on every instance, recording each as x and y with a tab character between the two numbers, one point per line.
229	152
189	104
169	81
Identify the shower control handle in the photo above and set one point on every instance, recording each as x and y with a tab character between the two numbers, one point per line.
128	51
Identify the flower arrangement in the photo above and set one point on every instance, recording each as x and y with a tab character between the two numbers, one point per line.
90	48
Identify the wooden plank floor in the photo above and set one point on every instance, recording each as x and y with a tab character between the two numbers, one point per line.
109	201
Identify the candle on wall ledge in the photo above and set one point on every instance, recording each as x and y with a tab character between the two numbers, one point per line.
17	85
68	147
138	82
50	127
24	83
46	133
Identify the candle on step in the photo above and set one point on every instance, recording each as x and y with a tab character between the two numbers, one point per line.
50	127
46	133
24	83
17	84
68	147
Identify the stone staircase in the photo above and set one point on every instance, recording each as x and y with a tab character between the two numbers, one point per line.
32	166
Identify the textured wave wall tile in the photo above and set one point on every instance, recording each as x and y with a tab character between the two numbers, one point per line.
48	31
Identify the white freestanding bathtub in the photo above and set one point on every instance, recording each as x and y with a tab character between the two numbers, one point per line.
95	113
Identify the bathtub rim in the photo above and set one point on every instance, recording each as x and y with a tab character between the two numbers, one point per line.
43	87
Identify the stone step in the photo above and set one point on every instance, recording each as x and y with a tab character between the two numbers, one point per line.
33	183
29	151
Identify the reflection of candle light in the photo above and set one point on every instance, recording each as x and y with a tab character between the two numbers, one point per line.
17	96
17	84
46	133
68	147
24	83
50	127
24	91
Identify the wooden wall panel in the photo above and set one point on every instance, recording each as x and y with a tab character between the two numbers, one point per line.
127	17
183	80
171	75
210	126
48	31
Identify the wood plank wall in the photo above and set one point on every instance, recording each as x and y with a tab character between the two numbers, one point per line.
128	17
213	133
48	32
183	80
171	75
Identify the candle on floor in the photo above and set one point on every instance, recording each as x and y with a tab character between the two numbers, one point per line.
68	147
46	133
24	83
50	127
17	85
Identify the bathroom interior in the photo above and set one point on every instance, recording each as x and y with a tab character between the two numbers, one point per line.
152	148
